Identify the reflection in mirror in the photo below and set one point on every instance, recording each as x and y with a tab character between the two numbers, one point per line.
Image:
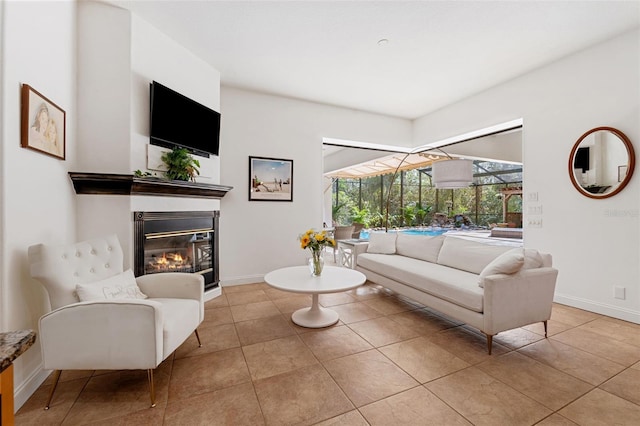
601	162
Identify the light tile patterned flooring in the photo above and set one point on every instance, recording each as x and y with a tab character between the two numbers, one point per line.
389	361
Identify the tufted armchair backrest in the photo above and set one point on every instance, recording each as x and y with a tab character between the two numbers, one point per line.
60	267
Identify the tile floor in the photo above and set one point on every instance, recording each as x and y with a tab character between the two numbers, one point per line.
389	361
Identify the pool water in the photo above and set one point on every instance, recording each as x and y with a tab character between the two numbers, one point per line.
431	232
364	235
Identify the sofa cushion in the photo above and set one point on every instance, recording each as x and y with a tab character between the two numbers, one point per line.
421	247
508	262
120	286
382	242
453	285
532	259
467	255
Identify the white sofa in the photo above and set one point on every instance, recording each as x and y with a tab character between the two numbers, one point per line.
490	287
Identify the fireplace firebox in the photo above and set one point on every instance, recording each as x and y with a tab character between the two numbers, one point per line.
177	242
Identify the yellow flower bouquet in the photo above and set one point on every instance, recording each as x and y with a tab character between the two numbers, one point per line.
315	241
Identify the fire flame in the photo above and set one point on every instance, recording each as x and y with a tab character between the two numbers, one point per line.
171	261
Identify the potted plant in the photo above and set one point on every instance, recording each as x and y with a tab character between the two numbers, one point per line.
359	215
358	220
180	165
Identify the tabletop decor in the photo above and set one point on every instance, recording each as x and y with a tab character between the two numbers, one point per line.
315	242
180	165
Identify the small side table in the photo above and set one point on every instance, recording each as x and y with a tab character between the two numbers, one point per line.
348	251
12	345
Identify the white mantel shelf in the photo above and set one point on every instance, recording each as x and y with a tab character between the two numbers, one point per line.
117	184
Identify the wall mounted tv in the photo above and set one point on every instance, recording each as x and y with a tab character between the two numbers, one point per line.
177	121
581	160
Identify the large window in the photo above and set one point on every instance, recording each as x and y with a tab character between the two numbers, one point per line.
414	201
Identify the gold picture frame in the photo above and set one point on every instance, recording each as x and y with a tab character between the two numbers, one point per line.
43	124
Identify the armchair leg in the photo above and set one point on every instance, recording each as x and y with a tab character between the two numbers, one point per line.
56	378
545	328
198	337
489	342
152	389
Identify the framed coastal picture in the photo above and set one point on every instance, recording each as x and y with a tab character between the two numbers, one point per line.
42	125
270	179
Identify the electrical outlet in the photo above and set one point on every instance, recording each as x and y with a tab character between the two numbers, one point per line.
619	293
534	223
536	210
532	196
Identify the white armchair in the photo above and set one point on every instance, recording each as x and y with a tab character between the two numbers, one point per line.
124	330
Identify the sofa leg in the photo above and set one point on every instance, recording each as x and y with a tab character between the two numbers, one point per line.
489	342
545	328
56	378
198	337
152	389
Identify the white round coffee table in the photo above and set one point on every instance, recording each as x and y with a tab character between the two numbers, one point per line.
298	279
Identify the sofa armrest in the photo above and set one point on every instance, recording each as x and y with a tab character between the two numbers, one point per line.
175	285
106	334
512	301
180	285
359	249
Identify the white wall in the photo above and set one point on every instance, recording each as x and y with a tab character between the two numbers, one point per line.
595	243
37	197
111	118
119	56
259	236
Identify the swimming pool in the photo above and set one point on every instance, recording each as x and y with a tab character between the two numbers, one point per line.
364	234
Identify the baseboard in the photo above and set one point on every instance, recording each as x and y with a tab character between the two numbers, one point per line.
213	293
599	308
248	279
27	388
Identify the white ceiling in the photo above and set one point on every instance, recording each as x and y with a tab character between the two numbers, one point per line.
438	52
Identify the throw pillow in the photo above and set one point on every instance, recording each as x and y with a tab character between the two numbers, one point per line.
509	262
121	286
382	243
468	255
421	247
532	259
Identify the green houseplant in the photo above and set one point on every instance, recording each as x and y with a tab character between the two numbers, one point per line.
180	165
421	213
359	215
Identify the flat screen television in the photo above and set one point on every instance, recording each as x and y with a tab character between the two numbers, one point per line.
581	160
177	121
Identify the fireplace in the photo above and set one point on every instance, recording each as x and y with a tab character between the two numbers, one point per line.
177	242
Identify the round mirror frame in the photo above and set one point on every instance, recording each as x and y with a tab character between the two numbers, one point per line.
631	164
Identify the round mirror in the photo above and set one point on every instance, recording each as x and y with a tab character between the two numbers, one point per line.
601	162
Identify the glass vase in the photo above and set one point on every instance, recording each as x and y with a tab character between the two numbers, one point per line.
316	263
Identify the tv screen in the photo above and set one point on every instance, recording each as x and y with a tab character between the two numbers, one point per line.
581	160
179	121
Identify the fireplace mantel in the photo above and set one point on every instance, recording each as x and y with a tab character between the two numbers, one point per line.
117	184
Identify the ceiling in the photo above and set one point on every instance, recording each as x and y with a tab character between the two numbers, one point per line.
437	52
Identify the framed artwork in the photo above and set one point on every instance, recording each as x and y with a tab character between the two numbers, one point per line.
622	172
270	179
42	125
